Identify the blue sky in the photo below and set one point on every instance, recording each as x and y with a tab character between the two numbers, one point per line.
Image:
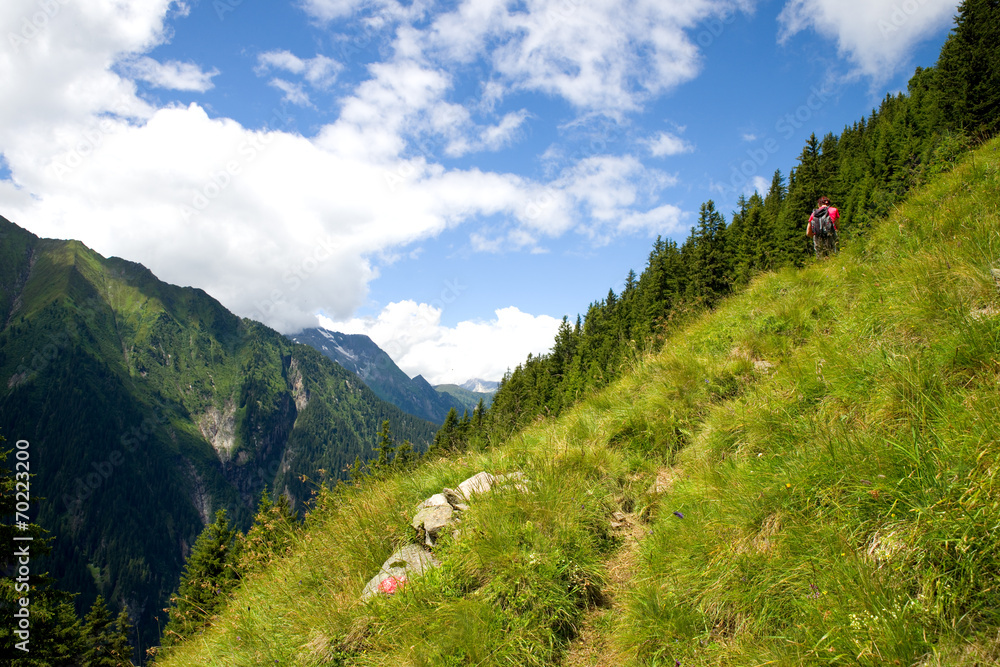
450	178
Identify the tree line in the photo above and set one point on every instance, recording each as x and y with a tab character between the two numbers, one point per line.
865	171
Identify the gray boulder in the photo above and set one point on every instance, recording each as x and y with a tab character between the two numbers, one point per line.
455	499
478	483
413	558
430	520
407	563
386	581
434	501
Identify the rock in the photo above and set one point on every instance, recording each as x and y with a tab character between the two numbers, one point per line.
430	520
478	483
413	558
434	501
396	578
454	498
405	564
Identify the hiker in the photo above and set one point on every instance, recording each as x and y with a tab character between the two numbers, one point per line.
822	228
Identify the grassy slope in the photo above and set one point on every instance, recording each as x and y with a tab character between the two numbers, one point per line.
832	436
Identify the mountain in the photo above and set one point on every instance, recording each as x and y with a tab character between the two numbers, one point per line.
360	355
468	398
480	386
149	406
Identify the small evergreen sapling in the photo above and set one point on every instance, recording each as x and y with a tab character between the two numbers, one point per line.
208	577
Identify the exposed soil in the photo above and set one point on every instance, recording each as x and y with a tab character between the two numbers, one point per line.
594	647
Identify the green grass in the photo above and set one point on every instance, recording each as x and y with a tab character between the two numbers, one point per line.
833	434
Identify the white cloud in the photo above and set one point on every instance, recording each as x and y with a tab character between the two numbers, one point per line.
877	36
665	143
665	220
320	71
416	340
496	137
172	75
331	9
275	225
294	93
749	137
608	187
758	184
465	136
606	55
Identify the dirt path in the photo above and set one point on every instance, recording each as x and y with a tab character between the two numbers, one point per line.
594	646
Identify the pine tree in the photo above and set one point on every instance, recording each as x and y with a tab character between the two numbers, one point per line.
444	441
708	260
357	470
208	578
478	415
804	188
55	635
463	428
385	448
270	536
406	457
969	66
106	637
119	647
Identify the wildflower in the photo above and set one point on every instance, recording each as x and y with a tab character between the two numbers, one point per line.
788	486
678	515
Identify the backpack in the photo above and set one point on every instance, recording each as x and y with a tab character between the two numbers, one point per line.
822	225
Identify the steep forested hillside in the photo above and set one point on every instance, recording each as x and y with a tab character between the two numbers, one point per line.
866	172
150	406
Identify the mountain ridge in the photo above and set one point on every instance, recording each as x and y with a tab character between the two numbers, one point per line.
468	399
479	386
150	405
359	354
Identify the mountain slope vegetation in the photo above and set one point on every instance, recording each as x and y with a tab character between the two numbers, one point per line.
150	406
810	472
866	171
